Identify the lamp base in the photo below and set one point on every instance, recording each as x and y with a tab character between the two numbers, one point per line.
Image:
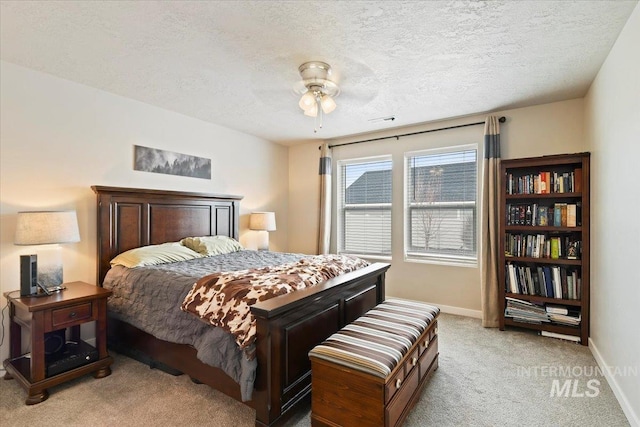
50	267
263	240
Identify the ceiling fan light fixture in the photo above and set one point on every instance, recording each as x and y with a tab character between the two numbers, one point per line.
318	92
312	111
307	101
328	104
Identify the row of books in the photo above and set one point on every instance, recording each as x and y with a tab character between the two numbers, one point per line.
542	246
529	312
558	215
545	182
546	281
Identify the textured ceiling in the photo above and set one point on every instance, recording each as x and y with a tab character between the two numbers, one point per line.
234	63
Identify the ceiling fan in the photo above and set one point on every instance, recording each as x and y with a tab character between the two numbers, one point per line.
351	82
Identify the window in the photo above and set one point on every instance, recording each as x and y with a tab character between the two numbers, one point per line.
364	206
440	205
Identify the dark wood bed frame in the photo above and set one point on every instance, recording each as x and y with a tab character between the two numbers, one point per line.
287	326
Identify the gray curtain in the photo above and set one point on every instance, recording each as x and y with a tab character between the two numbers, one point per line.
324	226
490	217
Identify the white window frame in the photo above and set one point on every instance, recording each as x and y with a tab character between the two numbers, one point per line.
445	259
340	208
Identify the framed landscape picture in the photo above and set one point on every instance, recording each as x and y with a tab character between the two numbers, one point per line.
167	162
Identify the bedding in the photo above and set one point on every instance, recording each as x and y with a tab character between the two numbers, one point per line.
150	299
223	299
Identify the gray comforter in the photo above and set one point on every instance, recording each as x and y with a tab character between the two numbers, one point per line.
149	298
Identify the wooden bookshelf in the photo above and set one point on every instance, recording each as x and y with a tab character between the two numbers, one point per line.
530	191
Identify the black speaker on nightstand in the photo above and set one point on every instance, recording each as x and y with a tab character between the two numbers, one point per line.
28	275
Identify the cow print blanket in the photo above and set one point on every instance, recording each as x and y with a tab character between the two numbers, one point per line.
223	299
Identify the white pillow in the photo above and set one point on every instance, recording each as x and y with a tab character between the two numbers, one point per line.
212	245
155	254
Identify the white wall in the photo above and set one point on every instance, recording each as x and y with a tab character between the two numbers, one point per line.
545	129
58	138
612	129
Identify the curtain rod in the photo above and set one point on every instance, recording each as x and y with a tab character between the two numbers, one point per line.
501	120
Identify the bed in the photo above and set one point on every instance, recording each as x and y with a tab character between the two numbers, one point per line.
287	327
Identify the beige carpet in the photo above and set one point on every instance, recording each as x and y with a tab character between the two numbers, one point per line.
486	378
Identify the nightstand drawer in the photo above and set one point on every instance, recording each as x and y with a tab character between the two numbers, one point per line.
69	315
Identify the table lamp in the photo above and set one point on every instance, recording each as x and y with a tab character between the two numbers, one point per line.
263	222
44	228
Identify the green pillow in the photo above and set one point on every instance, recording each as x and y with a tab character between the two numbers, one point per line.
212	245
155	254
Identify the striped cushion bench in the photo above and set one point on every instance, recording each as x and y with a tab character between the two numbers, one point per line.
371	372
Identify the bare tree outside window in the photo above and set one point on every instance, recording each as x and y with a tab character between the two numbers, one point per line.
428	192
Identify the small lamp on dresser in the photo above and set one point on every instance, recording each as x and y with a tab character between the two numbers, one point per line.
263	222
44	228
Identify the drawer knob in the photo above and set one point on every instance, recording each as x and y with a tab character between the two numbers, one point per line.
398	383
414	361
72	314
425	343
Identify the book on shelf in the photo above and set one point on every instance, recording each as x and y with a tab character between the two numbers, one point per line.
557	283
525	311
560	336
557	215
543	286
551	215
557	309
555	247
542	216
571	215
548	281
573	249
563	279
513	284
544	182
570	319
571	292
529	280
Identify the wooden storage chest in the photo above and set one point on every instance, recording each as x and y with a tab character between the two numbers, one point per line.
350	388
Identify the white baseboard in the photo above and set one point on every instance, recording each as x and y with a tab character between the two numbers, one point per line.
452	310
460	311
632	417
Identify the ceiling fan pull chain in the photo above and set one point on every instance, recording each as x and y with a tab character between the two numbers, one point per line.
315	122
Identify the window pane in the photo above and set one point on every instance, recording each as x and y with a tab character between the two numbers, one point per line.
367	231
364	207
441	205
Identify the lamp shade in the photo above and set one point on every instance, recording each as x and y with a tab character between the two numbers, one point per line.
264	221
43	228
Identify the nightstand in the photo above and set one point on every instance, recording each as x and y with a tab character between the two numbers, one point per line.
77	304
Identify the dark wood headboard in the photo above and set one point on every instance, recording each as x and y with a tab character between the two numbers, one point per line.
132	217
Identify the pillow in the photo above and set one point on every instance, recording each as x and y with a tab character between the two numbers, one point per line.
155	254
212	245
